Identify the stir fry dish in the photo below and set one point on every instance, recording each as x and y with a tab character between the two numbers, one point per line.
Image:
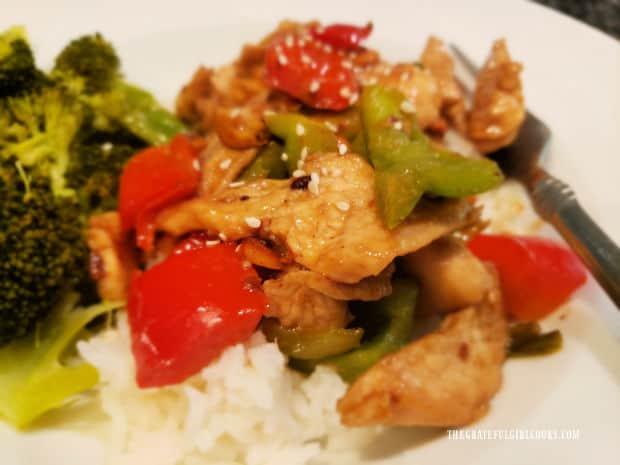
307	194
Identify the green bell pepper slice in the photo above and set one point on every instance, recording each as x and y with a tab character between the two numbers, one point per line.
397	309
311	344
267	164
527	340
407	165
391	321
300	133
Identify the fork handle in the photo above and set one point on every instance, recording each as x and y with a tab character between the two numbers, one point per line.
556	202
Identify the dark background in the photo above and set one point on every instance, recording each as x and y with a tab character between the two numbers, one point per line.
602	14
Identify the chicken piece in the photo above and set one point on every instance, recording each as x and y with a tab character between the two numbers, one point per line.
334	229
188	104
450	276
232	99
306	299
221	165
418	85
498	108
368	289
447	378
112	256
438	61
296	305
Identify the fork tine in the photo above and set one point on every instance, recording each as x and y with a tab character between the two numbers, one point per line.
467	63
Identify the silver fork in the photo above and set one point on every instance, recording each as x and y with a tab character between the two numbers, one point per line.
554	200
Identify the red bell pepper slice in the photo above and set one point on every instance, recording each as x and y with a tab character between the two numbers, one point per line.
152	179
311	71
186	310
537	275
342	36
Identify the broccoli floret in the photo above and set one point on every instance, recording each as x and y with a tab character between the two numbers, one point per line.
91	58
139	112
32	374
97	160
63	143
42	249
90	67
18	72
37	129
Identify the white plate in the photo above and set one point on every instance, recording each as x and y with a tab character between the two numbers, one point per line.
571	78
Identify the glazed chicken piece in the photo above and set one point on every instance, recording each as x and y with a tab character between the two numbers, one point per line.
418	85
232	99
221	165
368	289
333	229
497	108
296	305
112	256
438	61
305	299
447	378
450	276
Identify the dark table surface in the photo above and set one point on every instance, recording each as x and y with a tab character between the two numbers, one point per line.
602	14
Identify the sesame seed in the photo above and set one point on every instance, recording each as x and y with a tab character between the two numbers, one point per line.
324	171
371	81
222	236
279	48
353	98
336	172
252	222
314	85
343	206
347	64
212	243
398	125
107	146
305	59
246	265
236	184
196	164
387	70
328	48
225	164
342	148
284	156
407	107
238	248
331	126
234	112
282	59
304	153
299	173
299	129
404	76
301	42
345	92
289	41
313	185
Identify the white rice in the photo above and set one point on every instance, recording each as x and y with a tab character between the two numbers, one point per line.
245	408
